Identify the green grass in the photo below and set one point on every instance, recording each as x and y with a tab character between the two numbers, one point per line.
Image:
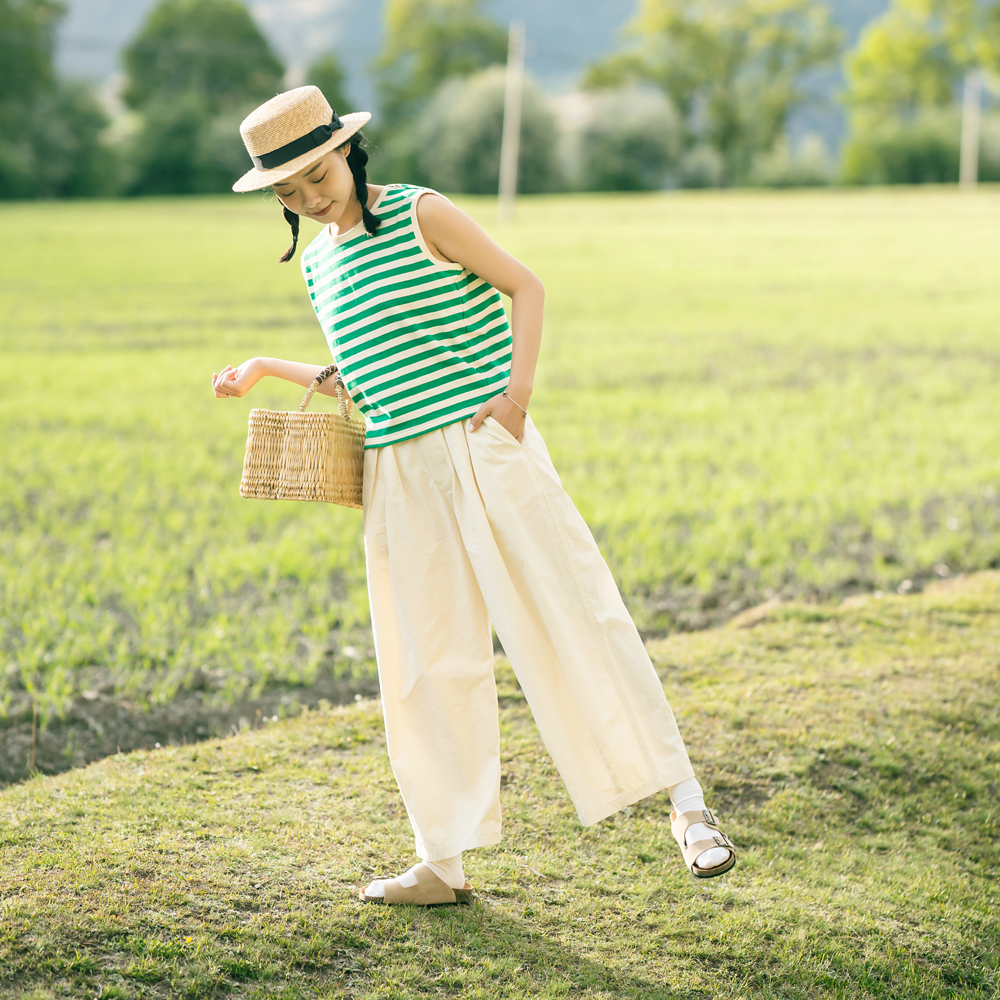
746	394
853	751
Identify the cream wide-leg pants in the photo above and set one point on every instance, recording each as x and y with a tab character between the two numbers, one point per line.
462	528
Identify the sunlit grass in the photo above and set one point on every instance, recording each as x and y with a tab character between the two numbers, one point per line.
853	752
746	394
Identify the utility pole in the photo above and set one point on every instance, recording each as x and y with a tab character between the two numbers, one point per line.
972	101
510	143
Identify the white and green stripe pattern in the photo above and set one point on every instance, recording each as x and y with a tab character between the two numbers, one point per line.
420	343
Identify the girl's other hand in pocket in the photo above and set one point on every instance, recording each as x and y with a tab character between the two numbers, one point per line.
237	381
504	412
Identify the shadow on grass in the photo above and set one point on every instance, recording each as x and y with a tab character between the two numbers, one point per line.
489	953
98	724
496	948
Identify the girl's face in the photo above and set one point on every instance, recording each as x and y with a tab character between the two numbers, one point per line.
322	191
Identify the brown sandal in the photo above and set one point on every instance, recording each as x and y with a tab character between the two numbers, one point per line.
429	891
680	823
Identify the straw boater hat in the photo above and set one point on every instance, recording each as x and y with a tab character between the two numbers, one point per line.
290	132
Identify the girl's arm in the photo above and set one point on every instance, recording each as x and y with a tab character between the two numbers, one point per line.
239	381
452	236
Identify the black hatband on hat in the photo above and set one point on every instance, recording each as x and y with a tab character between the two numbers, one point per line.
311	140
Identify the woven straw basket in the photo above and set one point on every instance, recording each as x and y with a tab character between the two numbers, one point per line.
306	456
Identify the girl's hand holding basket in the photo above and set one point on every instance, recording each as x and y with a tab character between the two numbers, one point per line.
294	455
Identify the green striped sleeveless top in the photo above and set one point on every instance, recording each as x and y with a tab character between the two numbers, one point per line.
420	343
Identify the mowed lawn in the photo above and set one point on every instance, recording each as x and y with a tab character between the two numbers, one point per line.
853	751
747	394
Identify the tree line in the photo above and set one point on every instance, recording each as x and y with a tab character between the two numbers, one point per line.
696	95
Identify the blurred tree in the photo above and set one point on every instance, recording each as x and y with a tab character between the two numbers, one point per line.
211	48
194	70
70	158
786	166
26	39
921	150
701	166
328	74
989	153
165	149
220	156
49	130
180	148
914	56
426	43
461	129
630	143
902	81
731	67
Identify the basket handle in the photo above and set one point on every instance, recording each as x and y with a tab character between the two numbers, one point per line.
343	398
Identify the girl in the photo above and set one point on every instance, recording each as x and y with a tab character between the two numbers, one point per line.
465	520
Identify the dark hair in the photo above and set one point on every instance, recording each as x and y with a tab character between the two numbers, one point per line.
293	220
357	160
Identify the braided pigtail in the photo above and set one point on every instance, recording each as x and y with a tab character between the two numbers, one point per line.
357	160
293	220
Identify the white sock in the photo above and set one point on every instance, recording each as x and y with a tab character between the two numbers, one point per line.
689	797
449	871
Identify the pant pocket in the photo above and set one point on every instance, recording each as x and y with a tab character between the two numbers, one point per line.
499	429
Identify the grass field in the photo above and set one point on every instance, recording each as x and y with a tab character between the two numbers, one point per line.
853	751
747	395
